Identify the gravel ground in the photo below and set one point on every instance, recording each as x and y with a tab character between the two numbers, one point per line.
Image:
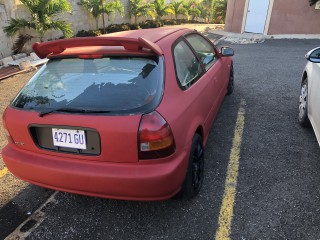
9	87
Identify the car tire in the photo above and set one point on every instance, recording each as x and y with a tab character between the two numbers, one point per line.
303	104
231	81
195	172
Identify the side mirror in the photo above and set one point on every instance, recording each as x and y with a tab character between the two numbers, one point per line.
314	55
227	52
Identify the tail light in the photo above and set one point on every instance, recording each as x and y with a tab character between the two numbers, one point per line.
6	132
155	137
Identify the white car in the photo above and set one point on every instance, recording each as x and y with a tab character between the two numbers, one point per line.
309	104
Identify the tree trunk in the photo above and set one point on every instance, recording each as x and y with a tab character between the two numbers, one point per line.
103	24
41	37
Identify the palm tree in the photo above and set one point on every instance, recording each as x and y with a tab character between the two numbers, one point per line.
219	8
194	12
94	7
178	8
137	8
190	6
42	12
98	8
111	8
162	9
204	11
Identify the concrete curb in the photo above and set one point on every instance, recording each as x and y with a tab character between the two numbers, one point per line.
250	38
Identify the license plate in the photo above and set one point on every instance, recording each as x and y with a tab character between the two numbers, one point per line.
69	138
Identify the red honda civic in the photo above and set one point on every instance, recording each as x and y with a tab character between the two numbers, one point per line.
124	116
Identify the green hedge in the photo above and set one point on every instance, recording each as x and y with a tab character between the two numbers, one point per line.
126	26
150	24
89	33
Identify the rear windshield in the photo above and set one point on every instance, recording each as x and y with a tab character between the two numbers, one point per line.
118	85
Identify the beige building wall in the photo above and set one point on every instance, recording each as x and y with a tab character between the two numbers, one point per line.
285	17
234	16
5	43
294	17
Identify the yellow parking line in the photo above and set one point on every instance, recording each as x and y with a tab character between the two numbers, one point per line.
226	211
3	172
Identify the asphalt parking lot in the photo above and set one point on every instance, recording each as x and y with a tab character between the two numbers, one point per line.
277	190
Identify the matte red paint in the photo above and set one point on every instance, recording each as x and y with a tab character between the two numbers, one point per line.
45	49
118	172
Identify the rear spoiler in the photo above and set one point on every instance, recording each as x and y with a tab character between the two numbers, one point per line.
44	49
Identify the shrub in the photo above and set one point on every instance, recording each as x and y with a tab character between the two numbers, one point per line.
170	22
117	27
134	26
182	21
89	33
151	24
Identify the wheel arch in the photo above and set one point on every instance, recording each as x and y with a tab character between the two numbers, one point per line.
200	132
196	127
304	76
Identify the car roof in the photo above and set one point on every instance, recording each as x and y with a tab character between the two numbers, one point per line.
152	34
144	41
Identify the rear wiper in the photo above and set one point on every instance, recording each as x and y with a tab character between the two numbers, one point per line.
71	110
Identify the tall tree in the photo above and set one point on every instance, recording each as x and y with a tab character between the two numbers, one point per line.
137	8
194	12
98	8
110	8
42	13
94	7
219	8
162	9
207	10
178	8
204	11
190	5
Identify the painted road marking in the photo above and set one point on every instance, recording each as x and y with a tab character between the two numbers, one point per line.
226	211
3	172
32	222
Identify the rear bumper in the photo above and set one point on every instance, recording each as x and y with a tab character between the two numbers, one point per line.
146	180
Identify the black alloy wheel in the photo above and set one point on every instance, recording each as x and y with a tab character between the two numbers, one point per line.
195	173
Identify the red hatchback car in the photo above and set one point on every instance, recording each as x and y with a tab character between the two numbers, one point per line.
125	115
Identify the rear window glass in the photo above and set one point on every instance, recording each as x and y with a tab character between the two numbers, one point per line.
112	84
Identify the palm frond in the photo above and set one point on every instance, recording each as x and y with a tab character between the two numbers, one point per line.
112	7
161	8
139	8
31	5
93	6
64	27
20	42
146	10
41	12
54	7
15	24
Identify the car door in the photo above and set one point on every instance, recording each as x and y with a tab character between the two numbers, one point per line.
214	70
314	97
194	82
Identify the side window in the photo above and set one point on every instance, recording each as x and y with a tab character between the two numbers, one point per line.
204	49
188	68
